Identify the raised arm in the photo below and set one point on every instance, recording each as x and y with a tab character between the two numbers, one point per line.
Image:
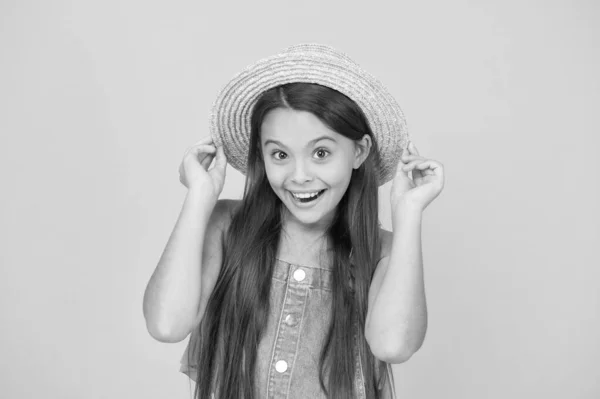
182	281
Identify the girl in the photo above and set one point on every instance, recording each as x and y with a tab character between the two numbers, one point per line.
295	291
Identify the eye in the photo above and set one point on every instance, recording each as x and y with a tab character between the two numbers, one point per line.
321	153
279	155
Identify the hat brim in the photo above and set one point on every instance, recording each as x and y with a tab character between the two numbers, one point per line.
308	63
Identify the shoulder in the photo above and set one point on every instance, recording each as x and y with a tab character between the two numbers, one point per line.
386	238
226	207
223	212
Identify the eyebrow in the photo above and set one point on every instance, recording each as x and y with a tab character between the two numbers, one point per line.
312	142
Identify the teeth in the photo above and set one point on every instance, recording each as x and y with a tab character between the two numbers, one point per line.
305	195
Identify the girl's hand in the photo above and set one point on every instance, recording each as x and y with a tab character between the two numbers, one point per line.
194	172
425	186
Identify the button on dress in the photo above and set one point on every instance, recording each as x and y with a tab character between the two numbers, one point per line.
288	354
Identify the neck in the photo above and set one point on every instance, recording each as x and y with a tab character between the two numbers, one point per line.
293	228
304	243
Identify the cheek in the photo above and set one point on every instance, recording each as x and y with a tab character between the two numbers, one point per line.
338	172
275	175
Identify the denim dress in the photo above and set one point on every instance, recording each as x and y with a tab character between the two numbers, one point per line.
288	354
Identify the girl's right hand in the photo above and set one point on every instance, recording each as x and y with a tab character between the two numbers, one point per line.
194	172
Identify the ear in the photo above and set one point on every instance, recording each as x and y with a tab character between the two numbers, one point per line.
362	148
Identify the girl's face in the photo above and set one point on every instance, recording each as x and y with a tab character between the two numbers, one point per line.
308	165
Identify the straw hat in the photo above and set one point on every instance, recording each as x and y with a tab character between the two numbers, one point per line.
309	63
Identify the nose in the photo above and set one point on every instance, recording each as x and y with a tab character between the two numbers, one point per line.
300	174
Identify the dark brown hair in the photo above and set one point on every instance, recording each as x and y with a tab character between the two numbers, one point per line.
239	305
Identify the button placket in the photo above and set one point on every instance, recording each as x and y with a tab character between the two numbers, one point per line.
288	332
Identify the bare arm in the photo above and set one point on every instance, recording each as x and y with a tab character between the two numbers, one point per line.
172	297
191	260
397	317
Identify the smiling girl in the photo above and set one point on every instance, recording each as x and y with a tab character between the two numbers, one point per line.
295	291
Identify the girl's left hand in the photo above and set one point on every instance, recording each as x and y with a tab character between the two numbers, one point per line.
426	184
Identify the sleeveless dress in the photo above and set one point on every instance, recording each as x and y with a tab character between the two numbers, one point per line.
288	354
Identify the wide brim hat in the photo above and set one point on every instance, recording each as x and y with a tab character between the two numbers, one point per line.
308	63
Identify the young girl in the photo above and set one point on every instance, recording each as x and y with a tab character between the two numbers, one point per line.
295	291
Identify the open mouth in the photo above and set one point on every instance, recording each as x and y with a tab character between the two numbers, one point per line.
307	197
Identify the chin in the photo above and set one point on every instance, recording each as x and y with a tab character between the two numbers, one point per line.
307	219
309	214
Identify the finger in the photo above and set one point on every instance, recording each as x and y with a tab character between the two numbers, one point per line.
206	161
221	159
205	140
199	145
400	172
198	154
434	167
220	165
413	164
199	150
412	148
408	157
403	155
203	147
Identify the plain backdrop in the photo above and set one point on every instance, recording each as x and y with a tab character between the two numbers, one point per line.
100	99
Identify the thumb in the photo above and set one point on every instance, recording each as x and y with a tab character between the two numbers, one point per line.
220	159
402	152
400	174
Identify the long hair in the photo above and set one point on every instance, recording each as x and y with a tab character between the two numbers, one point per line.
238	307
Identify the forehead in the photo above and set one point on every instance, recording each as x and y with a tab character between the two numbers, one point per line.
294	127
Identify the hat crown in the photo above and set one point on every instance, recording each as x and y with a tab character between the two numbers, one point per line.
318	49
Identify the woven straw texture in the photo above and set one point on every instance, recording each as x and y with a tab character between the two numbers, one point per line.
308	63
